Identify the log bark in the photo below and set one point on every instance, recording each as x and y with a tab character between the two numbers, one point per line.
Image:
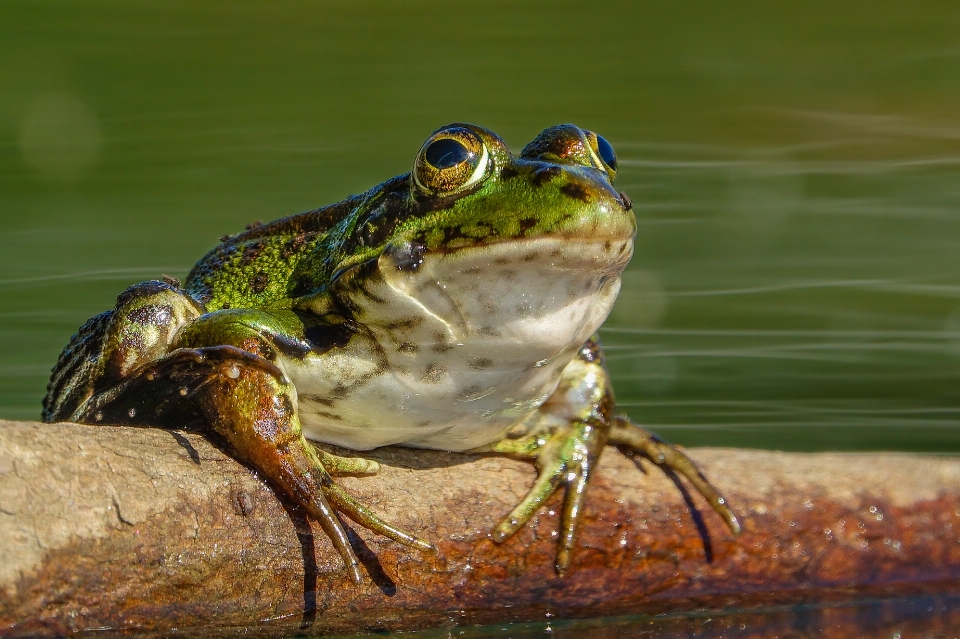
154	531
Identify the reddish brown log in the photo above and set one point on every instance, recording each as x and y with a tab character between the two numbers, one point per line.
148	530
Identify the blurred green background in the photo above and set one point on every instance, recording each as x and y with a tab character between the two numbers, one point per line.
794	167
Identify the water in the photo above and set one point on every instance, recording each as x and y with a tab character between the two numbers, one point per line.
794	167
893	618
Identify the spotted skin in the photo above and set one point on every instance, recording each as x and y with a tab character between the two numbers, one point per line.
451	308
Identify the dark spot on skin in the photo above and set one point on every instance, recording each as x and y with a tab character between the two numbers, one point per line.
575	191
251	252
558	142
423	424
322	338
331	416
509	274
225	307
318	399
607	246
528	223
626	201
524	309
292	246
530	257
340	391
501	261
543	175
489	331
623	247
409	348
509	172
441	345
480	363
476	270
407	323
469	392
153	314
434	373
258	283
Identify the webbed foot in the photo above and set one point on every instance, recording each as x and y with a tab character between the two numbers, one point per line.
632	439
567	457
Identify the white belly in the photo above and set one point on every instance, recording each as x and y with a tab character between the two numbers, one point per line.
460	351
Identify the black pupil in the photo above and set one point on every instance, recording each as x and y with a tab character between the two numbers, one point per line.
606	152
445	153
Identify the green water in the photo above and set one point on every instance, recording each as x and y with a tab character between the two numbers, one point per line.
795	168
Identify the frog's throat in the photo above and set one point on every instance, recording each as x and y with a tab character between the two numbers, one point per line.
479	289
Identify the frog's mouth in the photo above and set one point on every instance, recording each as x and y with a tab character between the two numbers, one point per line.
544	283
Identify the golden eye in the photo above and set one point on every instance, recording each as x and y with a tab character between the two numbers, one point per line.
451	160
603	153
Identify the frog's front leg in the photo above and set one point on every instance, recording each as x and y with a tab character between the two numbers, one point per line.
223	368
565	438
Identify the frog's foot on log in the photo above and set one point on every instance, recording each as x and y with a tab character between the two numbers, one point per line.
568	455
632	439
248	403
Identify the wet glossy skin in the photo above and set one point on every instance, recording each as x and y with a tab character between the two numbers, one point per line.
452	308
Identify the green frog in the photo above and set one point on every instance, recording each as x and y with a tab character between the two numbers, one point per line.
451	308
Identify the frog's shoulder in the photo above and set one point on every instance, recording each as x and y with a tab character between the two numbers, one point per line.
253	269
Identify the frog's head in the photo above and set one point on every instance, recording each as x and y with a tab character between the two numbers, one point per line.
478	237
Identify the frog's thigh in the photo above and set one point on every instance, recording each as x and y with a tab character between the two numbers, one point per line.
267	334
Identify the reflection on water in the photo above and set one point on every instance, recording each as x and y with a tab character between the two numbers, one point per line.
797	278
889	619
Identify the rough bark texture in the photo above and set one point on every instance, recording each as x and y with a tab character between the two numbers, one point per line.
151	530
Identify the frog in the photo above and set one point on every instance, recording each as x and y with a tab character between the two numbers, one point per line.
455	307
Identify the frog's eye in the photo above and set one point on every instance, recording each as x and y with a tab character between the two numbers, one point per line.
603	153
451	160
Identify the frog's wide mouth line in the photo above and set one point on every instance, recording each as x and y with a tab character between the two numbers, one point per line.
609	255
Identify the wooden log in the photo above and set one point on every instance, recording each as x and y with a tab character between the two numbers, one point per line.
150	530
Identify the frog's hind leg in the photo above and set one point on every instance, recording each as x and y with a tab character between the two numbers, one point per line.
631	439
246	402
